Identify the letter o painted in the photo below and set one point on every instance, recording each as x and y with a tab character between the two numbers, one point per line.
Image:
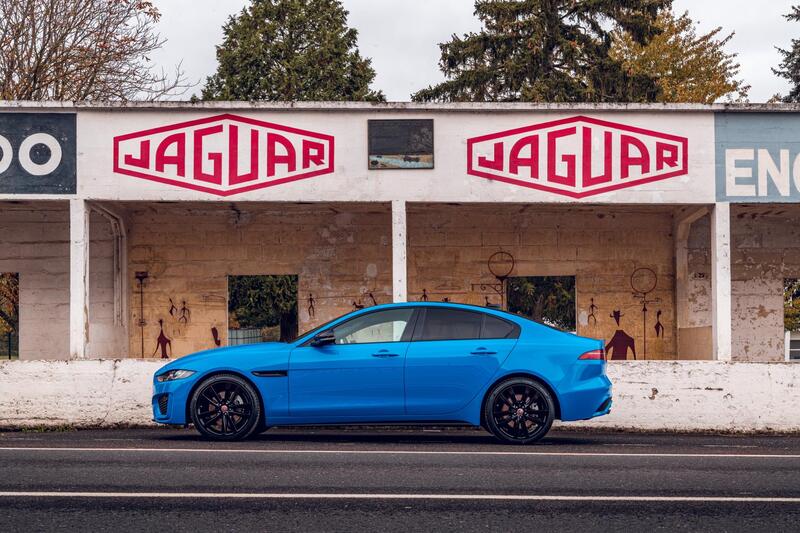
36	169
7	156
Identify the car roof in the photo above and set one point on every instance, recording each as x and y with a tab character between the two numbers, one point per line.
448	305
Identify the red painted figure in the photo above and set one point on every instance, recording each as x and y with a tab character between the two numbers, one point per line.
163	342
620	342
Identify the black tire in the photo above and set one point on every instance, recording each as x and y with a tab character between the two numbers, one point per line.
225	407
519	411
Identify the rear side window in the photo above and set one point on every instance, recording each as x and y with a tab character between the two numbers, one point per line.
451	324
494	328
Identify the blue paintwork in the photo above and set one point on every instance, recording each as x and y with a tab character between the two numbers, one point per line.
418	381
749	143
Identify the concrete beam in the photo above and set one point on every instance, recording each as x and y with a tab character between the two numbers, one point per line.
721	306
78	278
399	257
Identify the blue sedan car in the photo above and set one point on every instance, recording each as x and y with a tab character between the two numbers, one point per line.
394	363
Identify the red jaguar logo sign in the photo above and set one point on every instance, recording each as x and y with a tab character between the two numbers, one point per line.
223	155
578	156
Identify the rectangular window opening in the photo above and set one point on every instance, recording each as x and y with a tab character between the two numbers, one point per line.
262	308
791	318
546	299
9	315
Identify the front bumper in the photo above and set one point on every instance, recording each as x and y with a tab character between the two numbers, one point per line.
170	400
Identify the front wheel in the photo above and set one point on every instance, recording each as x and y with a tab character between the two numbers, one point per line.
225	407
519	411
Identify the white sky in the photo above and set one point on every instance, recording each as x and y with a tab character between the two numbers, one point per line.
401	37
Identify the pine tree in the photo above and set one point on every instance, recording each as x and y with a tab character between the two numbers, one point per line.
291	50
546	51
687	67
790	66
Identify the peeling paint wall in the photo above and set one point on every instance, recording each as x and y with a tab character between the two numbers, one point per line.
765	250
340	252
648	395
35	243
449	246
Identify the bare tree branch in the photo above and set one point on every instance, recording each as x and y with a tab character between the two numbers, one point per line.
82	50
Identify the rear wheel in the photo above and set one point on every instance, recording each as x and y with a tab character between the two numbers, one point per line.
519	411
225	407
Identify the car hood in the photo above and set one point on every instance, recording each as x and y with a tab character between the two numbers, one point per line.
231	355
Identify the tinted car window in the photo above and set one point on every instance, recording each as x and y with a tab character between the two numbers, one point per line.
380	326
494	328
451	324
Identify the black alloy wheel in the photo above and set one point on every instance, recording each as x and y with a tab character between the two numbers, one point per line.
519	411
225	407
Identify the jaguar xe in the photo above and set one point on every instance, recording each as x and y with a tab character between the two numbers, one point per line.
405	363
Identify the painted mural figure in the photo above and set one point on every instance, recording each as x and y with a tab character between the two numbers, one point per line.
311	310
215	335
163	342
172	309
620	342
592	319
185	314
659	326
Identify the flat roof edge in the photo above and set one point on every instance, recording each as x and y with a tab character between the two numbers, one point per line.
11	105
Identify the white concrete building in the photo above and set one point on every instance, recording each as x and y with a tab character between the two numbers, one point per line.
678	223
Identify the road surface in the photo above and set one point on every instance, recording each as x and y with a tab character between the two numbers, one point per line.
396	480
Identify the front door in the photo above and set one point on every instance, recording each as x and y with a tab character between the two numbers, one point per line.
360	376
454	355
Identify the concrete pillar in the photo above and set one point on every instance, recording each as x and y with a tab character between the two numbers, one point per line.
399	266
78	278
721	281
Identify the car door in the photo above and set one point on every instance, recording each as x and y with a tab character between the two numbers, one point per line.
454	353
359	375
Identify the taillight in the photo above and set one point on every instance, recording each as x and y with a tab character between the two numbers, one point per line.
593	355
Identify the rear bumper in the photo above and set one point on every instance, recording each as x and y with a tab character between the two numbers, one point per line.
590	399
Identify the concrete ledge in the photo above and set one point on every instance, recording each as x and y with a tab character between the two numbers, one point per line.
648	395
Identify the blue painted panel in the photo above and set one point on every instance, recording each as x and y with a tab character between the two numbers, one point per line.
757	157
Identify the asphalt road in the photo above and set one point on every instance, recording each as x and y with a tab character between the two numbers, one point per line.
408	480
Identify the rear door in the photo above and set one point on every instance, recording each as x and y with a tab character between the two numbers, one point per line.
453	354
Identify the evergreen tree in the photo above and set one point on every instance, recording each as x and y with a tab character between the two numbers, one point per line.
291	50
687	67
790	66
546	51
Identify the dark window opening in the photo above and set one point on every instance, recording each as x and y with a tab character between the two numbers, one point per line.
9	315
262	309
546	299
791	317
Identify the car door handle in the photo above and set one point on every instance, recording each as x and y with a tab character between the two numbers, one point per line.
483	351
384	353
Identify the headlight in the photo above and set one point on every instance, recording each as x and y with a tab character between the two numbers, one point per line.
172	375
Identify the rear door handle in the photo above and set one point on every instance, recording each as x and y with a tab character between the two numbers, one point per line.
384	353
483	351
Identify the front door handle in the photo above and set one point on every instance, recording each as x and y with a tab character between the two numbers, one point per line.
483	351
384	353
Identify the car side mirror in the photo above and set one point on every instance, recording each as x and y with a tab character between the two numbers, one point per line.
323	339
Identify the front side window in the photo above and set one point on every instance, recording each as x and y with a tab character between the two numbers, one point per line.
451	324
381	326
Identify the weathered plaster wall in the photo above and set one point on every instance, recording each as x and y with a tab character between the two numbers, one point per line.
340	252
449	246
765	250
648	395
34	242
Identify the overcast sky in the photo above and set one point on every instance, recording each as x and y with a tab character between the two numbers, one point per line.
401	36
